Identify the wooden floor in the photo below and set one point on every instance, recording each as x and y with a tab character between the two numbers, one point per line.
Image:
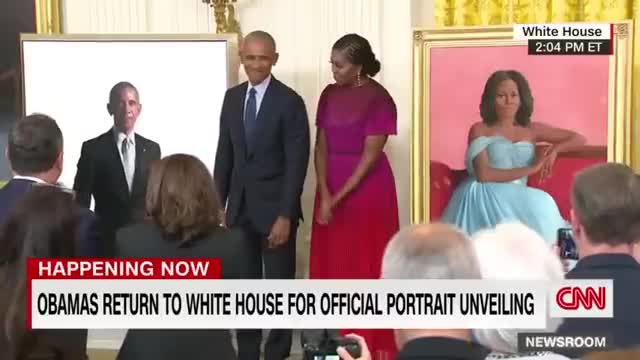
102	354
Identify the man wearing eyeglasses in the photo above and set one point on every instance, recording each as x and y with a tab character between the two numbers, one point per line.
35	155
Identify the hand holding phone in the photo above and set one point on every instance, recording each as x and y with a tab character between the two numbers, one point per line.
566	244
327	348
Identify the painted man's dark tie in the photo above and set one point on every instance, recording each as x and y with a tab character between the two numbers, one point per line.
250	116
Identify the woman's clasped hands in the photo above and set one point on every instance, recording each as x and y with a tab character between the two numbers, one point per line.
325	211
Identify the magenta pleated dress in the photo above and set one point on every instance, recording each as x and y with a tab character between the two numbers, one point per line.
352	244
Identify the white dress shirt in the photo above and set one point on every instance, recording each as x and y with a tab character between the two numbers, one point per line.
260	90
58	185
30	178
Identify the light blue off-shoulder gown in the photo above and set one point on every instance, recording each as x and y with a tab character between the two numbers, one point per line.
476	205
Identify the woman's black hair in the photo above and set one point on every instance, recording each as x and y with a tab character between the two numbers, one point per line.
41	224
359	52
488	102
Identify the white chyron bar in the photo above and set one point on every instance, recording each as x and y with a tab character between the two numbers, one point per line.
579	31
566	39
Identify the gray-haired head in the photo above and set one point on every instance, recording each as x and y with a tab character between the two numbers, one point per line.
512	251
263	36
35	146
430	251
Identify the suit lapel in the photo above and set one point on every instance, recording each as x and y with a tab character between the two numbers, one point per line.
266	109
141	163
116	163
239	124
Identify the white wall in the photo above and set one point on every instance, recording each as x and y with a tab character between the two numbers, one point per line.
305	30
136	16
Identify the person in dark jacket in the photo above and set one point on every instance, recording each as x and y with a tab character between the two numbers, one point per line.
605	218
34	151
184	222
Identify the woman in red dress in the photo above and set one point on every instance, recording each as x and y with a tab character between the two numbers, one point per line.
356	210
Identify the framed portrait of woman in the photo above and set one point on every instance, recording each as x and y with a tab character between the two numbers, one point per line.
589	94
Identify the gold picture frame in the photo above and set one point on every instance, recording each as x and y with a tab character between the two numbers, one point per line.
48	16
622	142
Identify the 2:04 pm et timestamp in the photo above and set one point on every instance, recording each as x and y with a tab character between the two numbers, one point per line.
569	47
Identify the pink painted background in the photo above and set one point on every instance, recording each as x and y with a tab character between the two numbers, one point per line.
568	91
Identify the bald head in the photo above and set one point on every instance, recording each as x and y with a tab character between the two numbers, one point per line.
430	251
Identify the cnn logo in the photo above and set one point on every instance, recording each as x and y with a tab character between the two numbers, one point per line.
572	298
582	298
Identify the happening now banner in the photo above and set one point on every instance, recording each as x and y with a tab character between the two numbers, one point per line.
189	294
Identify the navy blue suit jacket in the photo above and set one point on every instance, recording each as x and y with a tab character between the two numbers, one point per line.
268	177
87	225
624	327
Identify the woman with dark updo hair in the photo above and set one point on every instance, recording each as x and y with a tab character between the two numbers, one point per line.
356	210
502	155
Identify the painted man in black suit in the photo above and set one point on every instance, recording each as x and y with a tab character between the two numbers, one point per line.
114	166
261	164
35	155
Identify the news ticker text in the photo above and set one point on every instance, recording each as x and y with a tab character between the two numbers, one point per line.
276	303
569	47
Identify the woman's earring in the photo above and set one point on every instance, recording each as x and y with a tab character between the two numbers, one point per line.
358	80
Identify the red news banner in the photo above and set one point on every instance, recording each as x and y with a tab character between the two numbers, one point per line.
109	269
190	294
115	269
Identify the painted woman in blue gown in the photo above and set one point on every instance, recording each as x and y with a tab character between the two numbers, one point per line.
500	157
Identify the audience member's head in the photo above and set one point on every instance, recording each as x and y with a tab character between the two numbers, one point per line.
35	148
124	105
429	251
42	224
258	55
605	214
181	198
513	252
434	252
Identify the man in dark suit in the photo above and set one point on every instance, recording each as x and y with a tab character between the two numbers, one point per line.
260	168
35	155
605	218
113	167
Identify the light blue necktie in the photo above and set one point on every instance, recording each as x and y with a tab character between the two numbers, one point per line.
127	161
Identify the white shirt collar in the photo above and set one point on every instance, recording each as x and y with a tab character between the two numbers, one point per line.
260	88
30	178
120	136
